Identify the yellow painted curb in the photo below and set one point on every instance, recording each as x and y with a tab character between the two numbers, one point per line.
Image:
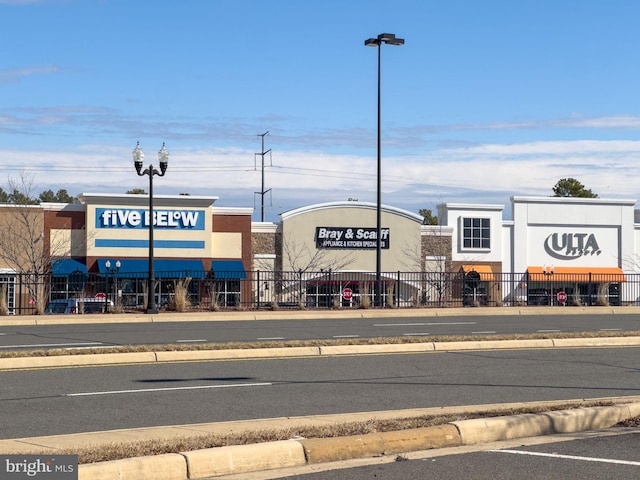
171	466
426	438
244	458
320	450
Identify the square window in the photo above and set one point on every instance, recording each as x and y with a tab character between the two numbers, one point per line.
476	233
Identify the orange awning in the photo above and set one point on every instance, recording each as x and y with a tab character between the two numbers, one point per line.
485	271
576	274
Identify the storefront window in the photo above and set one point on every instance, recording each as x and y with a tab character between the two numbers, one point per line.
226	293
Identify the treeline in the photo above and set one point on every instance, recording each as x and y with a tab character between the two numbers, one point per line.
17	197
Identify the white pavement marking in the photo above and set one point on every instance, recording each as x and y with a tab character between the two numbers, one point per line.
346	336
192	341
414	334
270	338
167	389
420	324
567	457
549	331
610	330
478	333
36	345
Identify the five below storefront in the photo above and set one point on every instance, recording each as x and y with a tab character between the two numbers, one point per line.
192	239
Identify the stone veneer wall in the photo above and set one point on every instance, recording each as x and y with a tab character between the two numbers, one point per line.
267	244
436	246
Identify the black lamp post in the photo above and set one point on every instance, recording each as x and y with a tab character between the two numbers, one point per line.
163	158
391	39
109	271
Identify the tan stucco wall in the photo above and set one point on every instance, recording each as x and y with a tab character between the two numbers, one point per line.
227	245
299	245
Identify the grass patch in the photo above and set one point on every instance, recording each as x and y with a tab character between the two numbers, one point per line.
183	444
307	343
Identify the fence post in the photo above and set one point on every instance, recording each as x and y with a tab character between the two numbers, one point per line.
259	290
330	289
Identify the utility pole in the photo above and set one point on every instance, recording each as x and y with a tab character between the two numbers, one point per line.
263	192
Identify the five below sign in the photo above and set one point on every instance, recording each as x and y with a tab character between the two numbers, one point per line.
134	218
350	237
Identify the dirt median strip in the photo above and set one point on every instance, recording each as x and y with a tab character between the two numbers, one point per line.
296	452
53	361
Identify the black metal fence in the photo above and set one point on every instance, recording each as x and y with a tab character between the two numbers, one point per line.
26	293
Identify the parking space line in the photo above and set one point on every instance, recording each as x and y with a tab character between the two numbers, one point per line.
42	345
167	389
567	457
422	324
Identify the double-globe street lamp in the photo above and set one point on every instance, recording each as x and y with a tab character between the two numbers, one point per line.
163	158
390	39
110	271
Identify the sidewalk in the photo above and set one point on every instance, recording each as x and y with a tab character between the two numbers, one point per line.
206	316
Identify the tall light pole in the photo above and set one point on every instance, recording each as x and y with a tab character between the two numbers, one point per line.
163	158
390	39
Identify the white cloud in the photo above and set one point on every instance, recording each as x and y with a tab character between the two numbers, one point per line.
485	174
12	76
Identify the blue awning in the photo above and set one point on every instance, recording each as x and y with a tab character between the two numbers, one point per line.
139	268
226	269
63	267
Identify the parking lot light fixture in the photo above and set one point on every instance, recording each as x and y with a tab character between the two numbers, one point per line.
390	39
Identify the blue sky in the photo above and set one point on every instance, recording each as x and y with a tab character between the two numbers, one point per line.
484	101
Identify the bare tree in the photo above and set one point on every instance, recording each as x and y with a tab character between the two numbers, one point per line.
435	255
23	246
303	260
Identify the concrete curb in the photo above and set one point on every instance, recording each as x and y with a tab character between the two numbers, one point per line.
204	355
170	466
485	430
244	458
250	458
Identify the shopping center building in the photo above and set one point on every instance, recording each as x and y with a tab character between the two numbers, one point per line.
554	251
